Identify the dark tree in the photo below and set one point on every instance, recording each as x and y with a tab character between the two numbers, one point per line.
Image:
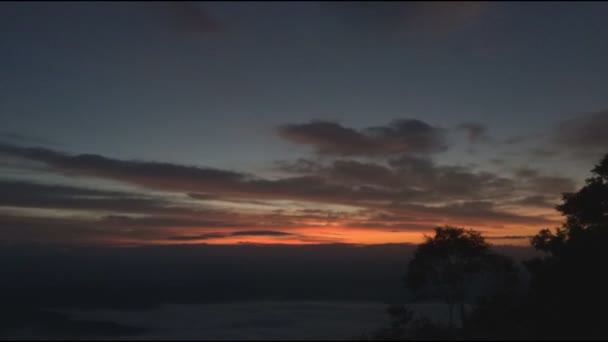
569	284
444	266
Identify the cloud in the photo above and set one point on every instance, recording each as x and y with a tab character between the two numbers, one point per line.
203	219
417	178
581	137
586	131
444	16
260	233
518	139
191	179
363	173
121	229
208	236
155	175
543	152
446	181
37	195
205	236
475	132
406	192
543	184
497	161
400	136
344	181
537	201
509	237
382	17
187	16
20	138
299	166
63	230
474	213
583	134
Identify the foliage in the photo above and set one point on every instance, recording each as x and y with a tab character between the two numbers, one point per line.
455	263
568	283
568	291
567	296
442	264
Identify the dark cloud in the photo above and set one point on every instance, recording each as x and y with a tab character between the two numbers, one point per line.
542	184
216	235
514	140
65	230
407	179
408	216
187	16
584	134
476	212
509	237
544	152
412	164
346	182
363	173
38	195
191	179
537	201
120	229
497	161
399	137
475	132
384	17
210	219
344	171
552	184
329	138
444	16
260	233
413	192
301	166
318	188
136	19
19	138
451	181
525	172
206	236
155	175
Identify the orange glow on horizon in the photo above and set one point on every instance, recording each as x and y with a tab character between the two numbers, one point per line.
515	235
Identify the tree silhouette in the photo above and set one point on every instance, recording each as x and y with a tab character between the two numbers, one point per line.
568	284
444	266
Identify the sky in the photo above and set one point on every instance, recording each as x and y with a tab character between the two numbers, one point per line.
125	123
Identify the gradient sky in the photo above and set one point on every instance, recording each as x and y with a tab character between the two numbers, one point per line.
300	122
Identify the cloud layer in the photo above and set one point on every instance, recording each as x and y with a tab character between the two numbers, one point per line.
585	133
407	136
399	194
